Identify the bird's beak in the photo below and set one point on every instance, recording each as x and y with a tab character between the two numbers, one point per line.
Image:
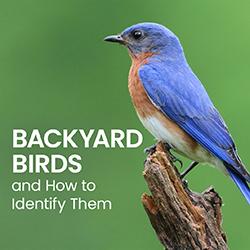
114	39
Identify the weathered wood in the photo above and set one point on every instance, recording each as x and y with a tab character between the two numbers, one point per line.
182	219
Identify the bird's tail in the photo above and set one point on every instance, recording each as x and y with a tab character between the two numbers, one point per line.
241	183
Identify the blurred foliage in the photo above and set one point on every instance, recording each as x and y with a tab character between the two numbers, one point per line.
56	72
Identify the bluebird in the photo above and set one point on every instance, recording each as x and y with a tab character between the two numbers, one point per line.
172	103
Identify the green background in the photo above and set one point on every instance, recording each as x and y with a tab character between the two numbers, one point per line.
56	72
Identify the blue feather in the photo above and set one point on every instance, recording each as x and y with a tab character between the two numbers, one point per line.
183	99
241	184
178	93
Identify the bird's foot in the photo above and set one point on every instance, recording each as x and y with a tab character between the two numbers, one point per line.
174	159
171	156
150	149
188	169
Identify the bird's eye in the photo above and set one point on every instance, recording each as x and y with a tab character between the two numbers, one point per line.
137	34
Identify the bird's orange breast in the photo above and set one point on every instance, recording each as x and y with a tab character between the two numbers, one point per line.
137	92
145	108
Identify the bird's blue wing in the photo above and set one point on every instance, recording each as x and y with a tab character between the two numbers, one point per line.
178	93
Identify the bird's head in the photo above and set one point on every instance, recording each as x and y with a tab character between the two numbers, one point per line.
148	38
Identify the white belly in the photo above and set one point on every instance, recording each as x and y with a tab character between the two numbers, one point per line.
161	133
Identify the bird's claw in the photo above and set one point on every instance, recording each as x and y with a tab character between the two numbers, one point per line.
171	156
174	159
150	149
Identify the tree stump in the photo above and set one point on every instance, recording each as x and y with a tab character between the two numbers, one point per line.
182	219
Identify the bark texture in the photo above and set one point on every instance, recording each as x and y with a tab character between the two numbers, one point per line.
182	219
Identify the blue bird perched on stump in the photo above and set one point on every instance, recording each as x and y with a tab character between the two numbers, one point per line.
172	103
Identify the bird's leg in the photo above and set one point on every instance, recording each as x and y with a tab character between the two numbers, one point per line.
150	149
189	168
172	157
